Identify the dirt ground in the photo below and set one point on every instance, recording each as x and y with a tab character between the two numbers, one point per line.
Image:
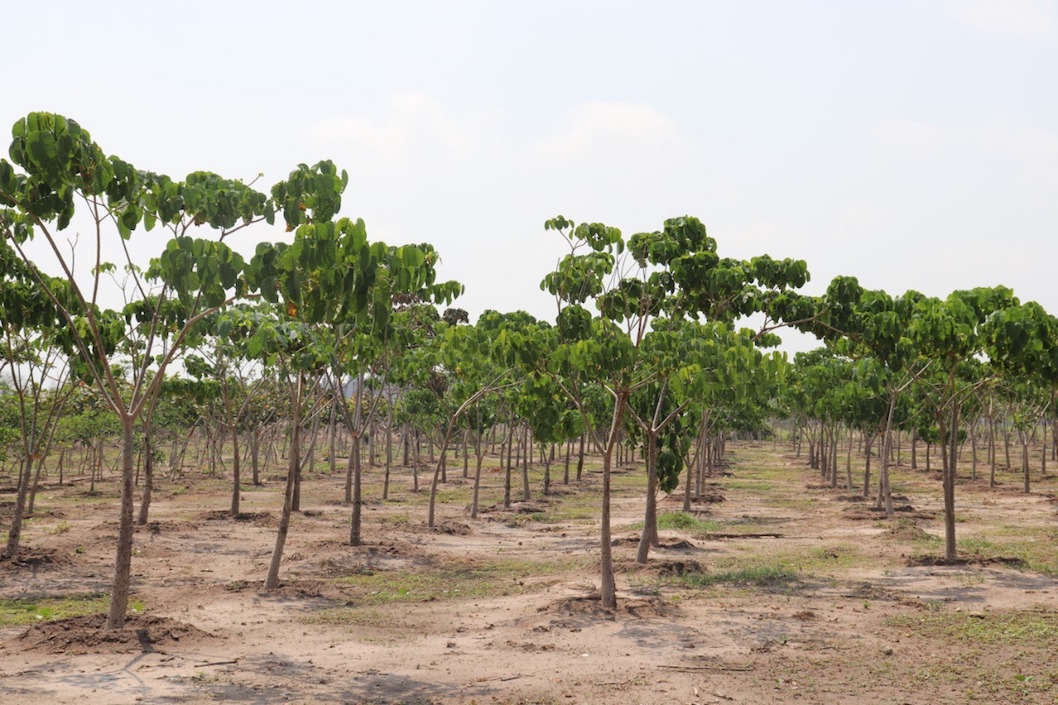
784	591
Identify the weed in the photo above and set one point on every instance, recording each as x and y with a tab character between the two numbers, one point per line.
1006	627
19	611
445	582
763	576
682	521
61	528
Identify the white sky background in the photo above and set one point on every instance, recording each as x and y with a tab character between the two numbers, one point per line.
913	144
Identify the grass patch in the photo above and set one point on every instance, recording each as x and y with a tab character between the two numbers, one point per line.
682	521
351	617
749	485
450	582
19	611
760	576
1006	627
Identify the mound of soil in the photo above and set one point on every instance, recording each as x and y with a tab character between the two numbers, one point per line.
454	529
83	635
862	513
680	568
907	532
257	518
918	561
157	527
591	606
680	545
31	557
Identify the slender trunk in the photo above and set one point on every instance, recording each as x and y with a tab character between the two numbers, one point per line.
914	449
607	585
949	485
293	465
14	533
415	467
525	465
255	455
1006	443
885	494
867	466
848	462
1043	448
296	499
148	477
35	485
834	458
437	473
510	467
355	471
580	456
466	457
1025	459
973	450
479	453
332	438
565	470
236	470
389	452
372	455
119	596
547	471
649	537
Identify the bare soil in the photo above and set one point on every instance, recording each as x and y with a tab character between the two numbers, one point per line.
794	592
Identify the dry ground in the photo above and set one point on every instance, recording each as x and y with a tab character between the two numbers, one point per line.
785	591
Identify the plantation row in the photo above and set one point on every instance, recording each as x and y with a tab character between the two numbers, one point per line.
333	339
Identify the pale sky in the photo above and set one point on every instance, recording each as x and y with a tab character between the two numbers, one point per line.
913	144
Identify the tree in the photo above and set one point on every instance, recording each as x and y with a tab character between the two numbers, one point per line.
57	172
1022	341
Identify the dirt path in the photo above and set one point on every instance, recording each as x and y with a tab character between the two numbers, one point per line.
786	591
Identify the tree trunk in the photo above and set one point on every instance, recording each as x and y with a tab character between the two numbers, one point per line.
293	466
479	453
332	437
914	449
255	455
885	494
565	470
580	456
119	595
148	478
510	467
354	470
35	485
389	451
1025	459
547	471
415	467
949	485
1043	448
848	462
973	449
649	537
525	465
236	471
14	533
466	457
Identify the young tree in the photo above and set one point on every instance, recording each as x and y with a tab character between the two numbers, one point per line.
57	172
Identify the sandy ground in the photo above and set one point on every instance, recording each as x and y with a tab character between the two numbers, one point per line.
500	609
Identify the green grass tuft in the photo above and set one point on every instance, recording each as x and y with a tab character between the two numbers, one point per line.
20	611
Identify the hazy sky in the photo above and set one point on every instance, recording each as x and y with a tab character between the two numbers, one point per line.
913	144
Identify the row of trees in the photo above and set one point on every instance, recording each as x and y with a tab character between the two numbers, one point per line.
328	328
